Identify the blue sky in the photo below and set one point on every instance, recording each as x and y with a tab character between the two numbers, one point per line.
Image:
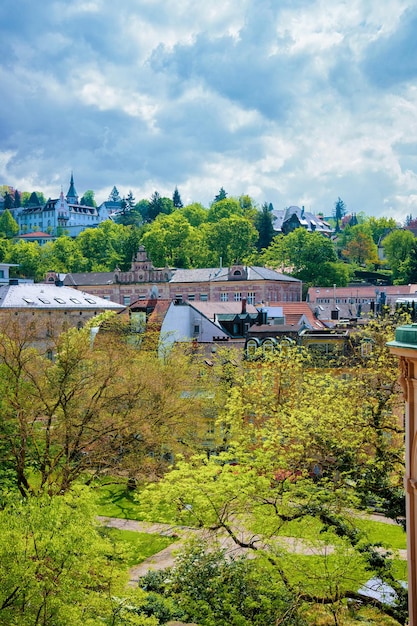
291	101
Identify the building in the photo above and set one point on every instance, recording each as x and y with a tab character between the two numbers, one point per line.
355	301
4	272
287	220
61	215
49	308
219	284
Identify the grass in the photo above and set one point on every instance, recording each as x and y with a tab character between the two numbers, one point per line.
115	500
138	546
390	535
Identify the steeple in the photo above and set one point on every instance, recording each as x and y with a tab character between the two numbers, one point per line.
72	196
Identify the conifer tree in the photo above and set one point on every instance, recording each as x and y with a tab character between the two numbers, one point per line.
176	199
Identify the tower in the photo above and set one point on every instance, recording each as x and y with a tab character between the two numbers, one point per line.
72	196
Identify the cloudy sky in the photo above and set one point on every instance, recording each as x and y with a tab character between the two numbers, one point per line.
289	101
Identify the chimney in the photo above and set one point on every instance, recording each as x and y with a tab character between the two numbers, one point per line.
243	305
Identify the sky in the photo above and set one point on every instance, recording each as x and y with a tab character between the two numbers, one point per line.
293	102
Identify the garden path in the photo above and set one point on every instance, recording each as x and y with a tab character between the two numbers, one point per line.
166	558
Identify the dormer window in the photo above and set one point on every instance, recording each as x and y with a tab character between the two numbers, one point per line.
237	273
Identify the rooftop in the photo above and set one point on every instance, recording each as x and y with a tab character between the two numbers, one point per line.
47	296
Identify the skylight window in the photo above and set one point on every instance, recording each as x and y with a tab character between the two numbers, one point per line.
45	301
60	300
90	301
28	301
75	301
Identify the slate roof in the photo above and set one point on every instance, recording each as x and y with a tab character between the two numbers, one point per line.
202	275
90	278
306	219
45	296
219	274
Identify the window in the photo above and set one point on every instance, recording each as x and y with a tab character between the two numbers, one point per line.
191	297
224	297
106	297
126	300
196	329
28	301
59	300
366	347
203	297
238	296
75	301
251	297
90	300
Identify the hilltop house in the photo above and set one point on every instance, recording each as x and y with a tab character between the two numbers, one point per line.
287	220
63	214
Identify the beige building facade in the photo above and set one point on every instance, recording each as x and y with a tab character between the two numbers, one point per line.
256	285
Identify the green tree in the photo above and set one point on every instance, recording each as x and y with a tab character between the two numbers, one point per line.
57	568
8	201
63	255
34	198
222	195
88	198
339	212
27	255
87	412
16	202
195	213
166	240
224	209
265	226
209	586
398	246
130	200
380	226
230	238
8	225
130	213
360	248
299	441
176	199
157	205
408	268
103	246
311	257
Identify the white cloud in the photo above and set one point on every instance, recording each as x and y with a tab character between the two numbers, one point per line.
297	101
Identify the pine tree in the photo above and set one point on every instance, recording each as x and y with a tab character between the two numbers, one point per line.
264	226
8	201
339	212
17	203
176	199
130	201
222	195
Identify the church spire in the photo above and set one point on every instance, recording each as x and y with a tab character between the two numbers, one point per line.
72	196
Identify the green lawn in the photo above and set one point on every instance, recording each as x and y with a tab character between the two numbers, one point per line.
390	535
138	546
115	500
